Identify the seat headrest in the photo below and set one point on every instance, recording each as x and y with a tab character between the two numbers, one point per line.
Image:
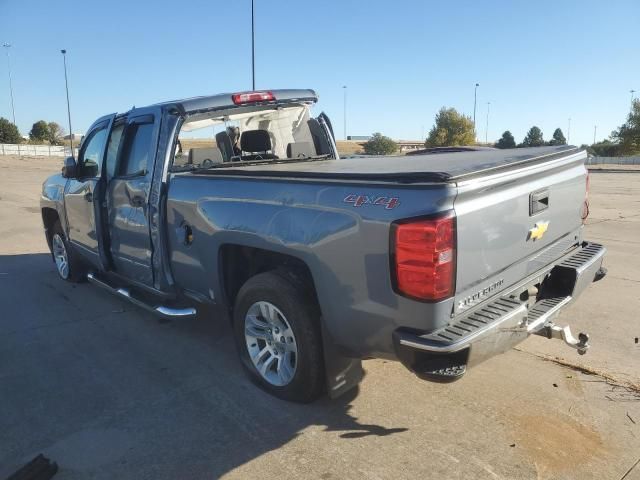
255	141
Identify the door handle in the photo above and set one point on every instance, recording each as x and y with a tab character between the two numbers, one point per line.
137	201
88	197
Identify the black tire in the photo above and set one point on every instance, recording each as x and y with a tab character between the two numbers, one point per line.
76	271
297	303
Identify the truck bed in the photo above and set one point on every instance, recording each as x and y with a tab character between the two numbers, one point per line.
434	167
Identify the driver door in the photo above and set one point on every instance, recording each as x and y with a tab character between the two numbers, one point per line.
83	213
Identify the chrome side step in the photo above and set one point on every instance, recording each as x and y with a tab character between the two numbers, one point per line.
159	310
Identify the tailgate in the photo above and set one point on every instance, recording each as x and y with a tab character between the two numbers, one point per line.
511	224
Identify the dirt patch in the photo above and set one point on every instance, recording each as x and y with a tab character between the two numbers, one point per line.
556	444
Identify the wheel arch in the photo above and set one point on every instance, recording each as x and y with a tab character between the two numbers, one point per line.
238	263
49	218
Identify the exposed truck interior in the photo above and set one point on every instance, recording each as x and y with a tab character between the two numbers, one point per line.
250	133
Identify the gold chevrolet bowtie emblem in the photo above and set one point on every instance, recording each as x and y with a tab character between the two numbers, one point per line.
538	231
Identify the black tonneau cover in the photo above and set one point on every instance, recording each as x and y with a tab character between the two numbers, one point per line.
439	167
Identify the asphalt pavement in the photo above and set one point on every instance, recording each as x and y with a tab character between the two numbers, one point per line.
110	392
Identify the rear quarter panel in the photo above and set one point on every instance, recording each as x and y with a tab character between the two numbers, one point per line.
346	247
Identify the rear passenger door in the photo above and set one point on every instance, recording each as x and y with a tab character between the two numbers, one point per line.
128	197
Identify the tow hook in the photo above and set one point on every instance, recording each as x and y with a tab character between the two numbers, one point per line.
551	330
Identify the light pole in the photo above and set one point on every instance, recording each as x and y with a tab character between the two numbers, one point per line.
475	99
13	110
486	131
66	86
632	92
344	89
253	50
569	132
595	129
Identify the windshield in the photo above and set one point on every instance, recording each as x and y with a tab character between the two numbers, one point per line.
264	133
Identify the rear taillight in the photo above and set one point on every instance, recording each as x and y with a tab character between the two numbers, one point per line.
424	258
585	206
249	97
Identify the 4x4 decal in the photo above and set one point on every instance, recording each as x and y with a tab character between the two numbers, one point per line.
360	200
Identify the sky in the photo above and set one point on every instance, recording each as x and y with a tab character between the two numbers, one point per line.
537	62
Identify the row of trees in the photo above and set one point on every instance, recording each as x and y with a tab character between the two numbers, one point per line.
41	132
451	129
534	138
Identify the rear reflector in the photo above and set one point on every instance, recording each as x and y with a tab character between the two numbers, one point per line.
249	97
425	258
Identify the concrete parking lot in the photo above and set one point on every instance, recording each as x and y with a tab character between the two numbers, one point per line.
109	392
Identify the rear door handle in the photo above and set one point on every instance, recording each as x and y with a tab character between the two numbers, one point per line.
137	201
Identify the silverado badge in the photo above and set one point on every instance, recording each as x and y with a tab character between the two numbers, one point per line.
538	231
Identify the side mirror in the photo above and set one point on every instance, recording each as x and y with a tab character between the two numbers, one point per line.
69	168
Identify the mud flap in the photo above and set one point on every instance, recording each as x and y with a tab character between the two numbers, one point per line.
342	373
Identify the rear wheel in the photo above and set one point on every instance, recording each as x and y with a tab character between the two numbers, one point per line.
68	265
277	333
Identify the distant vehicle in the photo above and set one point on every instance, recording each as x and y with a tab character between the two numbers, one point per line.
437	260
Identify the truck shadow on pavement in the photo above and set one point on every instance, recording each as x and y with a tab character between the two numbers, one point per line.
107	391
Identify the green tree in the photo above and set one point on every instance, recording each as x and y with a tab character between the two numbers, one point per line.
451	129
39	131
627	136
9	133
56	132
605	148
378	144
558	138
506	141
533	138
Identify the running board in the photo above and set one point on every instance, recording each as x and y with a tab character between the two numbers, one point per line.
159	310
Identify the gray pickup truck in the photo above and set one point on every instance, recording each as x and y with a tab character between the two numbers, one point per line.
439	260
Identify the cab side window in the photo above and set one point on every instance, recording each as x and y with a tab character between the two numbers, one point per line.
91	154
112	149
135	156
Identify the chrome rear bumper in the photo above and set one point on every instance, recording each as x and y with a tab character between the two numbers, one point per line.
501	322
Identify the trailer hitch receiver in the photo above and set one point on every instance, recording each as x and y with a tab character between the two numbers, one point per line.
551	330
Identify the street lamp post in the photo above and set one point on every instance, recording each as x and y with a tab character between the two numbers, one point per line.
475	99
344	88
13	110
595	129
66	86
632	92
253	50
486	131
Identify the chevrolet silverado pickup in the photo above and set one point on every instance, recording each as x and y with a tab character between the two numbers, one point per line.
438	260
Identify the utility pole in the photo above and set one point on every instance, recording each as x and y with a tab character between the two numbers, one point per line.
595	129
632	92
569	133
66	85
486	131
253	50
13	110
475	99
344	89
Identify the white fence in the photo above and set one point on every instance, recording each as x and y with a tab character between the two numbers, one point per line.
614	160
35	150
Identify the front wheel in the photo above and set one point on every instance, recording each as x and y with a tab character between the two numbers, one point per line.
277	333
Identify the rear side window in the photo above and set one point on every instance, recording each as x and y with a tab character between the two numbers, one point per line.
137	151
112	149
